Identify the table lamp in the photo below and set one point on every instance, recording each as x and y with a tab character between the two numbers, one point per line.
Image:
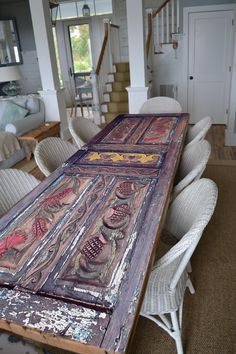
10	73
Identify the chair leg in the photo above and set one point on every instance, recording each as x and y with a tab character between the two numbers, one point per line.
71	111
177	333
190	286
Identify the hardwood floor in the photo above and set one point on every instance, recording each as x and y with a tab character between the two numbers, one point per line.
215	136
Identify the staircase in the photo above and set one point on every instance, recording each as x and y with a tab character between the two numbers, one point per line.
166	25
116	97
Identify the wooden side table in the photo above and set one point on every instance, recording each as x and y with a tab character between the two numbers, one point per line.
30	139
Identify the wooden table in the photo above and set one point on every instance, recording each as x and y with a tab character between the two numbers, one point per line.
30	139
76	253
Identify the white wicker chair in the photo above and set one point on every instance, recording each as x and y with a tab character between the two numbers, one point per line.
192	165
198	131
50	153
82	130
187	217
14	185
161	104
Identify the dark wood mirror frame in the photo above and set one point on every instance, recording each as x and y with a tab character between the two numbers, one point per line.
10	49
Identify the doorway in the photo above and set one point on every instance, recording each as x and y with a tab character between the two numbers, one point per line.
208	61
78	42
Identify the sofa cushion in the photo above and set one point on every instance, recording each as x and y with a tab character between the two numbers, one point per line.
10	113
32	104
20	101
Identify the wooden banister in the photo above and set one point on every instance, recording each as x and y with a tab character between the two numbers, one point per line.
104	43
149	36
114	26
160	8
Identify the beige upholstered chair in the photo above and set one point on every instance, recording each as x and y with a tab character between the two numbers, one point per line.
192	164
161	104
82	130
187	218
198	131
50	153
14	185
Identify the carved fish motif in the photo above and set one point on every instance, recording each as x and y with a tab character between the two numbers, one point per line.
93	247
125	190
117	216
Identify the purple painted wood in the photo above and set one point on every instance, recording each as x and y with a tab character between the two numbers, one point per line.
87	235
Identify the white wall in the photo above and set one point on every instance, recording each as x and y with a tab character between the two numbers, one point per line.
167	67
120	19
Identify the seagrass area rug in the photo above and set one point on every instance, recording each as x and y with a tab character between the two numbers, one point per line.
209	320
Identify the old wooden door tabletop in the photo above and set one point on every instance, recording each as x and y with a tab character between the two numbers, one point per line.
75	253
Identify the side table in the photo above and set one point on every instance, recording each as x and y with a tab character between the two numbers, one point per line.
30	139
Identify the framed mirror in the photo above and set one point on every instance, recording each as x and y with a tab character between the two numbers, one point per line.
10	51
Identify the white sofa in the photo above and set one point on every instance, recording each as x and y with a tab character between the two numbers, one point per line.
18	115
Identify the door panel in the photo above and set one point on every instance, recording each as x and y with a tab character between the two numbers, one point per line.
210	37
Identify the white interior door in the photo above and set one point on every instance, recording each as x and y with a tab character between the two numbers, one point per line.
209	64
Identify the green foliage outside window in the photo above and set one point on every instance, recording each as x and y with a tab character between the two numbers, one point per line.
80	46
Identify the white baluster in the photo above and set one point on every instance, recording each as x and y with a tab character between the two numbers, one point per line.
167	24
162	26
177	15
172	16
157	33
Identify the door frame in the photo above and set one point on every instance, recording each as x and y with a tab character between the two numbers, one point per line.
186	12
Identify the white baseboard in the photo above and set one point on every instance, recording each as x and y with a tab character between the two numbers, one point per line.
230	138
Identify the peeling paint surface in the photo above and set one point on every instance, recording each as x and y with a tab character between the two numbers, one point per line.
52	316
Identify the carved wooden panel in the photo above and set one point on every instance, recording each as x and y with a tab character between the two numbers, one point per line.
76	253
147	131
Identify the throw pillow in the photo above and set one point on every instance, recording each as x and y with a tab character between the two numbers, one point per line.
10	113
32	104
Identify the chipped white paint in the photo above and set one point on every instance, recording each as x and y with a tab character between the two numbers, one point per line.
90	292
67	320
119	272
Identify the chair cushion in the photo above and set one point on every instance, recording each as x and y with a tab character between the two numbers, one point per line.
10	112
32	104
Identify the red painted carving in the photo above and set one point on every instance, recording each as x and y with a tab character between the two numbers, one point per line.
54	200
39	227
12	241
120	133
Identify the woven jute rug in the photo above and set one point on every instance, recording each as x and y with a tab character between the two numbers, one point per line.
209	322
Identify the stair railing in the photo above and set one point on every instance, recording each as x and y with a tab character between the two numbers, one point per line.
167	23
109	54
148	46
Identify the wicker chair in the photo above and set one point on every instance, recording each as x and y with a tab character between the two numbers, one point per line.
187	218
82	130
198	131
14	185
50	153
192	165
161	104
